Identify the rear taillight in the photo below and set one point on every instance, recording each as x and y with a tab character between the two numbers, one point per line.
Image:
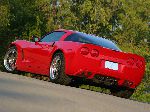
85	51
139	64
94	53
130	61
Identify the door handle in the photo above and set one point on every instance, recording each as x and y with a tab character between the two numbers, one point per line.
53	44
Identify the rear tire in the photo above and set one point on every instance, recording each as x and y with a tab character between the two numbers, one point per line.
123	93
10	59
57	70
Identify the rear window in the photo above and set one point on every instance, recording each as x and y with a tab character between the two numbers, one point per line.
91	39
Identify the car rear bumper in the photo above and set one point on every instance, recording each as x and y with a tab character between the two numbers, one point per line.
94	68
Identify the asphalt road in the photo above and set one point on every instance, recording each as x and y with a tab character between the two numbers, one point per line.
23	94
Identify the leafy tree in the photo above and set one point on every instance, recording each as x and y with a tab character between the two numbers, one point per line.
4	16
132	27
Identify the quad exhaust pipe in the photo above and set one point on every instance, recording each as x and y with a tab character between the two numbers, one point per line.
105	80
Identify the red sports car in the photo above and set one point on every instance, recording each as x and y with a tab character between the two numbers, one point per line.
65	54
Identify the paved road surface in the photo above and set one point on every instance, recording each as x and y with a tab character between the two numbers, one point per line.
23	94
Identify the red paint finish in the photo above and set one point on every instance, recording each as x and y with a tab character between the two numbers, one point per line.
80	58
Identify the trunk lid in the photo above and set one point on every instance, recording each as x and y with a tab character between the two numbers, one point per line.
128	59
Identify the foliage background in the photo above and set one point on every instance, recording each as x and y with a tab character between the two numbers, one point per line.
126	22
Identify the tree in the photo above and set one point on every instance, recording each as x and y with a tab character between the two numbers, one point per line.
133	27
4	16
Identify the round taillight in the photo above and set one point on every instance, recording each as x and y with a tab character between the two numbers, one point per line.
84	51
130	61
94	53
139	64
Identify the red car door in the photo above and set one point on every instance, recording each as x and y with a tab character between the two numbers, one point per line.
39	52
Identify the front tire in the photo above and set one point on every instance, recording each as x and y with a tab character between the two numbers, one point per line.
57	70
10	59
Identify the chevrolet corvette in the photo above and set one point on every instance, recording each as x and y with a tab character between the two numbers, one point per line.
64	54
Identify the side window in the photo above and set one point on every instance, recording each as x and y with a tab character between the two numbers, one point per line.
73	37
77	38
52	37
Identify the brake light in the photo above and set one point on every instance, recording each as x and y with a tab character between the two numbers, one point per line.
139	64
94	53
84	51
130	61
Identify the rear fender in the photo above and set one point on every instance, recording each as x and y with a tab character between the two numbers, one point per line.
69	50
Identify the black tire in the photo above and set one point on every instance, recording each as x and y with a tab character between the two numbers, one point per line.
57	70
10	60
123	93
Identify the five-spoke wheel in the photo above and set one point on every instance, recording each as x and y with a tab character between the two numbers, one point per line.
57	70
10	59
55	67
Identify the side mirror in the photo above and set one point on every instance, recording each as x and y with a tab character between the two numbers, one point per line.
35	38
